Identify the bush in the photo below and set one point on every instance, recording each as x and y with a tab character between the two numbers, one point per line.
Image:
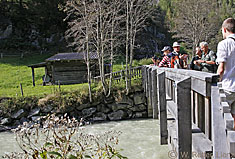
62	138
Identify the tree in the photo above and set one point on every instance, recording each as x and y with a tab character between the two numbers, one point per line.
94	29
137	12
195	22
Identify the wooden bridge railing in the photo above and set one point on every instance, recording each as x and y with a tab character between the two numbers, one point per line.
195	118
117	76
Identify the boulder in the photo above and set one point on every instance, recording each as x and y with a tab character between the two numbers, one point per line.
4	128
20	113
140	115
118	115
75	114
99	117
139	98
139	108
119	106
125	100
36	119
23	119
34	112
102	108
46	109
5	121
83	106
129	114
88	112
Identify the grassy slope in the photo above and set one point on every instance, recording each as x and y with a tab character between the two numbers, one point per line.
14	71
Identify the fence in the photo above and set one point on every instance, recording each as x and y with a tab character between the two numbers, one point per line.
194	116
119	75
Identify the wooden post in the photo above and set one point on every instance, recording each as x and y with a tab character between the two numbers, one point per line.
1	55
59	85
21	90
33	76
208	117
154	94
183	120
200	111
193	106
161	94
143	77
149	85
219	138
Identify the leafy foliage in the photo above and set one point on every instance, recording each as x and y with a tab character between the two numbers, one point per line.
62	138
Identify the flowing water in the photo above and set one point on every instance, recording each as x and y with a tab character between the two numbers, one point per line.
139	139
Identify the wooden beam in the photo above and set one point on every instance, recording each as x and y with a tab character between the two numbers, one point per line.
149	92
183	120
162	106
219	139
208	117
154	94
33	77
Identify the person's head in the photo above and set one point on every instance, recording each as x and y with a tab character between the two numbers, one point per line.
176	46
166	50
198	51
228	27
204	46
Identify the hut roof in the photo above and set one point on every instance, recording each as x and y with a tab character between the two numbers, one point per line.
71	56
41	64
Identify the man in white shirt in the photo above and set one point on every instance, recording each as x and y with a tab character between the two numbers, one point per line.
226	60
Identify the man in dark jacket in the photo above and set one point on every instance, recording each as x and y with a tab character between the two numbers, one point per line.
193	64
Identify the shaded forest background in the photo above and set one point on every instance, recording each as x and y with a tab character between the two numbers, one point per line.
39	25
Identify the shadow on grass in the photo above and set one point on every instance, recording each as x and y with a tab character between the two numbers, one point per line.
25	61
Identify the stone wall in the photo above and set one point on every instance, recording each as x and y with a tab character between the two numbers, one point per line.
124	107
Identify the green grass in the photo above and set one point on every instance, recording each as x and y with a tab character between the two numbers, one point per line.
15	71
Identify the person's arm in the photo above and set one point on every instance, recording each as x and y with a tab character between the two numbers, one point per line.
206	62
164	60
220	70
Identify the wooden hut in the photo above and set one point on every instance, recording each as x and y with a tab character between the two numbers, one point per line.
67	68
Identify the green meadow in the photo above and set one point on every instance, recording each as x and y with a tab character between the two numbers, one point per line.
15	71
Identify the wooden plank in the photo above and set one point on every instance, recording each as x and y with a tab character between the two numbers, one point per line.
199	111
231	142
172	136
184	122
219	139
225	107
193	106
222	97
168	87
208	117
172	108
199	86
154	94
149	97
201	145
228	121
205	76
71	68
161	93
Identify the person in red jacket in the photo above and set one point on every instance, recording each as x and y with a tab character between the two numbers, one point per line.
166	59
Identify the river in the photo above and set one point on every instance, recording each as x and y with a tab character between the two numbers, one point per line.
139	139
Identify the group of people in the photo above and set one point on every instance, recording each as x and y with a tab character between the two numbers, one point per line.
172	59
222	63
205	59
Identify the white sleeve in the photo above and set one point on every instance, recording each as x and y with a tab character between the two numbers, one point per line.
222	52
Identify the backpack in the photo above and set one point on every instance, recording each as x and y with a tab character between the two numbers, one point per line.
175	61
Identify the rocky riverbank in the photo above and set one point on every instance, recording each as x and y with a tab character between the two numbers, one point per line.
112	108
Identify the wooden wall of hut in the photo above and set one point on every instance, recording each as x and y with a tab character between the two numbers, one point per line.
71	72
